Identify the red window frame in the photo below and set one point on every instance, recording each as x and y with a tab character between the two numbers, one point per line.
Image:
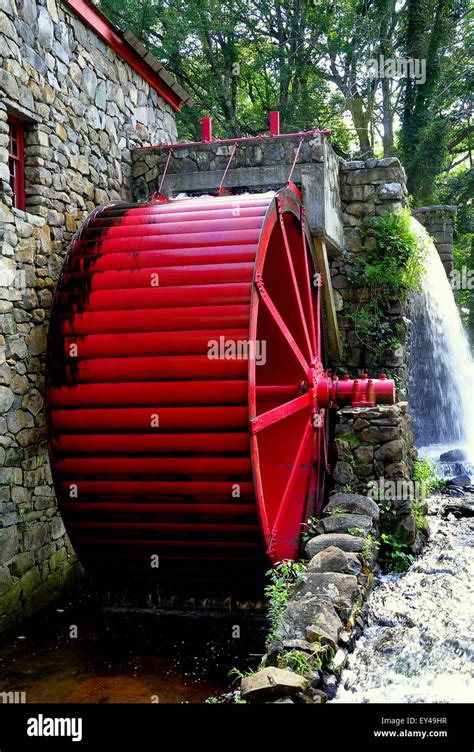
16	161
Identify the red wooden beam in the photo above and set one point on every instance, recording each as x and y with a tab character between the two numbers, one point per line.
104	29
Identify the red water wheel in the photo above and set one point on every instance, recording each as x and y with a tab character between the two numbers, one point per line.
184	345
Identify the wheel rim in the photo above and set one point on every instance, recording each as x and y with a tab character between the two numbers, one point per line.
288	454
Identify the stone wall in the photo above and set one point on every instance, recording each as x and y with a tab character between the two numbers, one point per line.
84	109
367	189
258	164
326	611
374	454
438	220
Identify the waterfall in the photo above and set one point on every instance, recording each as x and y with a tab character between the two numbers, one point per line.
440	381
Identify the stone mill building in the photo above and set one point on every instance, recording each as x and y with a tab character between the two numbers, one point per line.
76	96
78	100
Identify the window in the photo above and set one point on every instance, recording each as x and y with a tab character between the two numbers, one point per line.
16	161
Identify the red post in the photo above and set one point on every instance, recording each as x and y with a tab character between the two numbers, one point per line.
206	129
274	123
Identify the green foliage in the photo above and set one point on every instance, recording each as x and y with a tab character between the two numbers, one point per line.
352	439
284	578
239	61
348	488
239	675
396	264
311	529
418	511
435	132
371	546
394	553
305	663
392	269
357	531
424	473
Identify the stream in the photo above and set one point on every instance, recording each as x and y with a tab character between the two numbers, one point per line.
125	657
418	644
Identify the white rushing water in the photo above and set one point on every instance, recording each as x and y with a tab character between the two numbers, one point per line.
440	380
418	643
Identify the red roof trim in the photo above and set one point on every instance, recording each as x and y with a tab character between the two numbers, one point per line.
101	25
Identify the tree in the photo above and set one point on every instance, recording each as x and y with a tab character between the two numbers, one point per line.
239	62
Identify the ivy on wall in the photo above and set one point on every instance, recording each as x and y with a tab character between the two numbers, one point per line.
391	268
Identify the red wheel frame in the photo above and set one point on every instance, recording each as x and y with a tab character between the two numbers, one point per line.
213	496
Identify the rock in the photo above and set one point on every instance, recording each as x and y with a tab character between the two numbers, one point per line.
339	540
343	474
273	651
339	661
342	589
318	696
364	455
302	645
6	580
355	503
333	559
314	633
341	523
390	191
6	399
301	615
455	492
458	509
462	481
329	685
8	543
378	434
407	529
271	681
453	455
45	29
89	82
390	452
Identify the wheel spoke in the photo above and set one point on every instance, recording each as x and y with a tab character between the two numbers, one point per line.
281	412
299	304
306	440
273	311
313	327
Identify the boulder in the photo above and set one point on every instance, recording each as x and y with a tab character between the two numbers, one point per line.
392	451
305	612
354	503
453	455
302	645
406	527
341	589
341	523
461	481
329	685
343	474
271	682
333	559
339	540
459	509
